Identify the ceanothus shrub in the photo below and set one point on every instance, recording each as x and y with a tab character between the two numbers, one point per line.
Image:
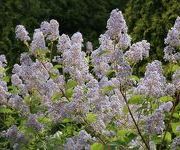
90	99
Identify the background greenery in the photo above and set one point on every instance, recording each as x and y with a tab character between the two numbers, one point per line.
88	17
146	19
151	20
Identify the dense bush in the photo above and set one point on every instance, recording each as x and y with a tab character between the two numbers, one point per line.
91	100
151	20
88	17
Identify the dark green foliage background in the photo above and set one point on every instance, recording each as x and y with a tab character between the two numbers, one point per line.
151	20
88	17
146	19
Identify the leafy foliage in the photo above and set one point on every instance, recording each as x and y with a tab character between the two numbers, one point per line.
67	102
151	20
89	17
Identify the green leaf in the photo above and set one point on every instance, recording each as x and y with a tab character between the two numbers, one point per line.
168	137
44	120
134	78
165	99
69	92
27	99
126	135
110	73
174	128
104	52
107	89
125	109
6	78
71	83
175	67
154	106
171	68
13	89
87	59
54	75
136	99
5	110
57	67
90	117
176	115
57	134
10	121
122	132
67	120
97	146
157	139
2	70
56	96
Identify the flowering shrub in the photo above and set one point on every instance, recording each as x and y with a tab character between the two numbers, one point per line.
90	100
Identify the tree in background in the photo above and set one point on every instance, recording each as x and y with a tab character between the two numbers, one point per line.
151	20
88	17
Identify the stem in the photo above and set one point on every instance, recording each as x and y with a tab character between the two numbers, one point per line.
139	132
170	119
58	87
27	45
93	132
51	49
64	94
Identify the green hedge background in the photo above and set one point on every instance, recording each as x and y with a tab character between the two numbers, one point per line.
146	19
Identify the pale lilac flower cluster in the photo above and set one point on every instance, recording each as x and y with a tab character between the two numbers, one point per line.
16	102
154	83
173	43
155	123
80	100
38	41
117	29
21	33
176	80
33	123
138	51
170	89
89	47
79	142
124	71
3	61
4	94
108	57
107	106
35	76
64	43
175	144
15	136
173	35
102	56
50	29
170	54
90	98
166	107
73	59
99	92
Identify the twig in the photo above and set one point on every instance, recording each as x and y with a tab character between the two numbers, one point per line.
124	97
